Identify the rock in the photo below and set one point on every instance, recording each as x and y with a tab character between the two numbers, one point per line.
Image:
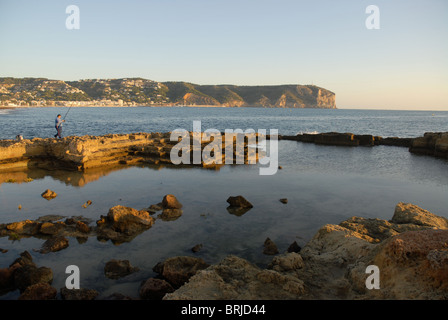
155	207
178	270
115	269
287	262
122	224
39	291
269	247
50	228
170	202
78	294
30	274
237	279
154	289
239	202
54	244
432	144
82	227
413	265
196	248
88	203
410	250
49	194
6	279
284	200
294	247
25	228
330	138
170	214
406	213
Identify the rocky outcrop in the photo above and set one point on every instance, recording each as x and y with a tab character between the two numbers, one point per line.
87	152
432	144
410	251
348	139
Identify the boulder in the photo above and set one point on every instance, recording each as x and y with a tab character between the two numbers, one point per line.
170	202
178	270
270	247
122	224
407	213
294	247
239	202
30	274
154	289
115	269
49	194
39	291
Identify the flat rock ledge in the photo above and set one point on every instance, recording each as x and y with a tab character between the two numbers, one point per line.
84	152
431	143
410	250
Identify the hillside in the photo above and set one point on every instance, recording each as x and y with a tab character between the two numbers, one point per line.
143	92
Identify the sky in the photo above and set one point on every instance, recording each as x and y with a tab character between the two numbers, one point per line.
401	65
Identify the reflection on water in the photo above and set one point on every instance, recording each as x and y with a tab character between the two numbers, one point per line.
323	184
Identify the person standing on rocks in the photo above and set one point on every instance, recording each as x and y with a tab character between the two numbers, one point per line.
58	125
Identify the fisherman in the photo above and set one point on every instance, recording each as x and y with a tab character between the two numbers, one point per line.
58	125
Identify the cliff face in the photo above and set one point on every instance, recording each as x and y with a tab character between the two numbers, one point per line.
281	96
137	91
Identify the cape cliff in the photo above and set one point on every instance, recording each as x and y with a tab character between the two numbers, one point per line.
144	92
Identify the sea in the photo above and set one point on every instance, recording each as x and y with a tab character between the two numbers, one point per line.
323	185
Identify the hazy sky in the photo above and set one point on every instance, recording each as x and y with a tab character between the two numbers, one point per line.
402	65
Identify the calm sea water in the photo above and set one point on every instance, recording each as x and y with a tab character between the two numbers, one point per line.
323	184
39	122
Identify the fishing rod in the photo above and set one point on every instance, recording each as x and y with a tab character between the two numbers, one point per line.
67	113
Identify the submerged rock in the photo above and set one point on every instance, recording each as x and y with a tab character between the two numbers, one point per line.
115	269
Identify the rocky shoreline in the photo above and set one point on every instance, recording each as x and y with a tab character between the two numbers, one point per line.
86	152
410	251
